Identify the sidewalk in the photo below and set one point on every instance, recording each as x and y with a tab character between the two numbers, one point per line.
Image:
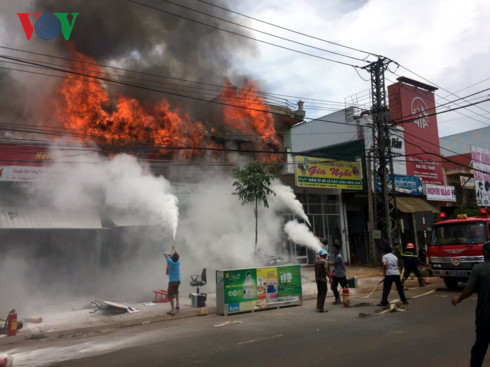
82	322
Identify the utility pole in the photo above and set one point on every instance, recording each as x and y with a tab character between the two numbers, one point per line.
384	209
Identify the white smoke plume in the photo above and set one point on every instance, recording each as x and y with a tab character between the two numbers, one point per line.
121	186
285	196
299	233
219	232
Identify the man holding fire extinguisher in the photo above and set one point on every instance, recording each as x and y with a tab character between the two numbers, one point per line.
173	264
339	275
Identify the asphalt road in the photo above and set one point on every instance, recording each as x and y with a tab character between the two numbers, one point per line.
431	332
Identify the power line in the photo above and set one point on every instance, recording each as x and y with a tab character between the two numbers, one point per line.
289	30
263	32
126	84
265	95
439	88
244	36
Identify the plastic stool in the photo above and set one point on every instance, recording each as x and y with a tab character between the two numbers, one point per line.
161	296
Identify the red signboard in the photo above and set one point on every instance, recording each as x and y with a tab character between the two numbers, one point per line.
412	106
20	155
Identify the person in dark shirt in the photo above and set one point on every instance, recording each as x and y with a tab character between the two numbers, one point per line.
411	264
322	271
339	275
479	283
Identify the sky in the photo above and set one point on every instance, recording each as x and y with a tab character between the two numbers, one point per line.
442	43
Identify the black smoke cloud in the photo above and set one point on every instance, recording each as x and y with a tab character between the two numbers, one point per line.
132	37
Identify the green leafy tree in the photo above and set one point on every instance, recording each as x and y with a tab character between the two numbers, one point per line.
252	184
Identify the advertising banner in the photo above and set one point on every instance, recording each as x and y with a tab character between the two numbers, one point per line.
289	287
481	172
267	284
440	193
326	173
412	106
240	285
258	288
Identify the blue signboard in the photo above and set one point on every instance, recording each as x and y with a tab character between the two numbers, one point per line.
408	185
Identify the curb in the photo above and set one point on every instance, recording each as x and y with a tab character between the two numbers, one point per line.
103	328
110	326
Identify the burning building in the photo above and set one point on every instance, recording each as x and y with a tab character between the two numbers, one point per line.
99	131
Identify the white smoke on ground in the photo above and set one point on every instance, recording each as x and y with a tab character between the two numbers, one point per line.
299	233
285	197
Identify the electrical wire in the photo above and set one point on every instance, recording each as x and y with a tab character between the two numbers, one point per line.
259	31
289	30
242	35
312	102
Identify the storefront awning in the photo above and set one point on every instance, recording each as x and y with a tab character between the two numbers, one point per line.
24	217
407	204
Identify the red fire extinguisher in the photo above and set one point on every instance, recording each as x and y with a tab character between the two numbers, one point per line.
345	297
12	323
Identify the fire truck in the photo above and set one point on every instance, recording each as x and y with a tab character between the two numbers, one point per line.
456	246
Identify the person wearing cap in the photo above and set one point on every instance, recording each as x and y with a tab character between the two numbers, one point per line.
339	275
322	271
479	283
392	275
411	264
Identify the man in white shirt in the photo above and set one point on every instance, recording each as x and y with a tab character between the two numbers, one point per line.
392	275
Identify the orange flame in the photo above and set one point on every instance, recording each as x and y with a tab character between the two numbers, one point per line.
92	114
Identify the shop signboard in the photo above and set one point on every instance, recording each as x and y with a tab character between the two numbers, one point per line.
241	290
481	172
23	163
409	185
412	106
440	193
327	173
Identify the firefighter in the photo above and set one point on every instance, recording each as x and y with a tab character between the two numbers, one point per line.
411	264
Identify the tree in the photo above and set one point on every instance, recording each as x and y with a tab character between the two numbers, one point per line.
252	184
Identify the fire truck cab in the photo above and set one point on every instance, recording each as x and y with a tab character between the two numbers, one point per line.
456	246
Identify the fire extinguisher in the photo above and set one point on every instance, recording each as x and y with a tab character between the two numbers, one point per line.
12	323
345	296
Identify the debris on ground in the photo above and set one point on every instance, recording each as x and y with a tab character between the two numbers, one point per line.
228	323
108	307
392	307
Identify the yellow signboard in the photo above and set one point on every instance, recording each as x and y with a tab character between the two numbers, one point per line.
327	173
